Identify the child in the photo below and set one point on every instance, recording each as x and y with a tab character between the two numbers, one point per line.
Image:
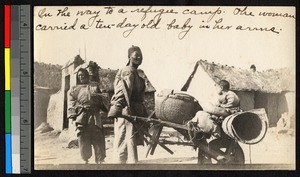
228	103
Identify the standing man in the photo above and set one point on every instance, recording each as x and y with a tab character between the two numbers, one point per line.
84	104
128	98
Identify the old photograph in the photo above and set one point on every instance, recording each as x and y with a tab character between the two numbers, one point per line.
164	87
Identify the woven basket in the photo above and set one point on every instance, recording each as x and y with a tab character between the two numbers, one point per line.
176	107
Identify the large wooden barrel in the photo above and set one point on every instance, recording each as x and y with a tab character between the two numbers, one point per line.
176	107
247	127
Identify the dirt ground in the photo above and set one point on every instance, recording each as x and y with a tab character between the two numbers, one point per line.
275	148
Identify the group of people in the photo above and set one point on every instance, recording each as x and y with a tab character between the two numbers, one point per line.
85	101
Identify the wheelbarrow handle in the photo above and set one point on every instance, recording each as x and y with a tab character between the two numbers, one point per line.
132	118
149	119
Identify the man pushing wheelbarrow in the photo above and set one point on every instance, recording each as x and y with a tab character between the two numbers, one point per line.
226	123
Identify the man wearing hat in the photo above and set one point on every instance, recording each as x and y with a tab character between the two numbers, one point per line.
129	88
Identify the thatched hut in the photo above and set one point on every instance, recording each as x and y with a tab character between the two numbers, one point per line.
57	110
272	89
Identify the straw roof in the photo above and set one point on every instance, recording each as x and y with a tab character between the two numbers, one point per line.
269	81
107	77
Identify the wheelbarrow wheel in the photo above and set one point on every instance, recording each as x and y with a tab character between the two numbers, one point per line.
227	147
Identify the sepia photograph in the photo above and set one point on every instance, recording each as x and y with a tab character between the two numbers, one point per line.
164	87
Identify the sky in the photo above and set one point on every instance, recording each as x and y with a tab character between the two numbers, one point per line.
168	61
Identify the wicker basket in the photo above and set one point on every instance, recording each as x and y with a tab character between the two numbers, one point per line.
176	107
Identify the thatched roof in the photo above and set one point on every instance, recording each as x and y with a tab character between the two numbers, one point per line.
107	77
269	81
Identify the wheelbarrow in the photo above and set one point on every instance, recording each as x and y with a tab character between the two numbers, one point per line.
222	150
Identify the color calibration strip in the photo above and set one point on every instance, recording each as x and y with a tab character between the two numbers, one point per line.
17	89
7	30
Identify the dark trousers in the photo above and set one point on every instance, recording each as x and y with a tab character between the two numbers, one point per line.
89	136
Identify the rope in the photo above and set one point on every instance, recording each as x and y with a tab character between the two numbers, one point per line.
192	132
179	138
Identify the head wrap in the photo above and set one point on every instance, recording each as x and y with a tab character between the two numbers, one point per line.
134	48
84	72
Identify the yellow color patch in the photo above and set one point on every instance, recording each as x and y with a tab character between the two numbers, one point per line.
7	68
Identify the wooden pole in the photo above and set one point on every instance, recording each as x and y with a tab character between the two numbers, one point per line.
158	121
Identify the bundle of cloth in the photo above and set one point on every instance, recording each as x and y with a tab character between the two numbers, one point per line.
209	120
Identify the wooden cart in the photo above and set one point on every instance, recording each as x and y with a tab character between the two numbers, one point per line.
223	150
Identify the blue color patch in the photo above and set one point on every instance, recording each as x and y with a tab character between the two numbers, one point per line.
8	154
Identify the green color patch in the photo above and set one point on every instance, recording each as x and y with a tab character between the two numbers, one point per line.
7	111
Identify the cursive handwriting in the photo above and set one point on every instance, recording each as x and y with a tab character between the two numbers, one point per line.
186	27
181	20
274	14
153	23
158	12
219	26
43	13
212	13
88	12
129	27
65	27
247	28
242	11
63	12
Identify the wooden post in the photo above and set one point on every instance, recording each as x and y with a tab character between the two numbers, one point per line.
200	156
155	130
